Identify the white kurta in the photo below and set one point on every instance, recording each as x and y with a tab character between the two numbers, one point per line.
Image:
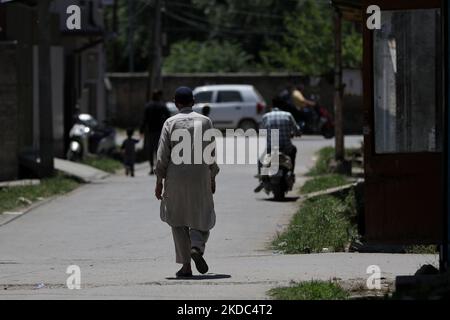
187	198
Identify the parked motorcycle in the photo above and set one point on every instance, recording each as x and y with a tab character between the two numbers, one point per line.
317	120
87	136
280	180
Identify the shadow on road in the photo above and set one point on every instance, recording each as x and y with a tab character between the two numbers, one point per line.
203	277
287	199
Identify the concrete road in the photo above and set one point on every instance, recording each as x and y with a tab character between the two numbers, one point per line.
112	231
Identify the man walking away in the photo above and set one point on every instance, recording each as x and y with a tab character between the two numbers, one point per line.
155	114
187	202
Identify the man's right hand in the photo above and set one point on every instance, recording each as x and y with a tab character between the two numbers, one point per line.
159	190
213	186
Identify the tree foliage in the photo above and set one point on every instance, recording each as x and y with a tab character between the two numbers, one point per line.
236	35
308	45
118	49
211	56
251	22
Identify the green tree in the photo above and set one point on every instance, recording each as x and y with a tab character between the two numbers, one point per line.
210	56
117	46
308	45
252	22
272	35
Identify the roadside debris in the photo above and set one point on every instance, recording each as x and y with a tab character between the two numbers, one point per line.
39	286
24	200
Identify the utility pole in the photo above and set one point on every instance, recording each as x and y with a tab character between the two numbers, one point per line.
130	35
115	32
130	11
114	19
338	88
46	165
154	80
445	248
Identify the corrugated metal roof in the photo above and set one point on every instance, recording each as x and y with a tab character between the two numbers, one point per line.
348	3
351	9
27	2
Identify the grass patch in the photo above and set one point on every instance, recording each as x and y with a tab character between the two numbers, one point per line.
16	197
321	222
103	163
325	156
325	221
422	249
312	290
324	182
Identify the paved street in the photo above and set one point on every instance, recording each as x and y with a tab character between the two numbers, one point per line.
112	230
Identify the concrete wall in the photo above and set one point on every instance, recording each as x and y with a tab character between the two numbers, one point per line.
8	112
128	93
57	78
19	108
22	30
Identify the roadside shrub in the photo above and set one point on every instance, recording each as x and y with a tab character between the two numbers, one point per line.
324	182
311	290
321	222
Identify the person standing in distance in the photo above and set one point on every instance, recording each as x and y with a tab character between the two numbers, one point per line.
155	114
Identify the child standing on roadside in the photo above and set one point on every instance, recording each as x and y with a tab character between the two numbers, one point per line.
129	153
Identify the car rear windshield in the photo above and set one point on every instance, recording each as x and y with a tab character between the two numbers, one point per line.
203	97
229	96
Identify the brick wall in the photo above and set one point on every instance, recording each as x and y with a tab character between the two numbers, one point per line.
8	113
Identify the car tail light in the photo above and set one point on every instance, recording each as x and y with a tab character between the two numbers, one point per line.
260	107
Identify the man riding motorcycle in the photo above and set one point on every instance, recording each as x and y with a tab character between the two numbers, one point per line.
305	107
312	117
287	126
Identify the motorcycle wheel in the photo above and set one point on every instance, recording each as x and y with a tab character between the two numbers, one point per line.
278	192
75	156
328	133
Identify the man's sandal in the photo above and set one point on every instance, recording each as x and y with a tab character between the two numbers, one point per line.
200	263
181	274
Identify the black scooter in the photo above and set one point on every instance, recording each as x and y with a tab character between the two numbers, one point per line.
277	175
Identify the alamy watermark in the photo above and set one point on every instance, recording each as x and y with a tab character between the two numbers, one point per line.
231	147
374	280
73	21
73	282
374	20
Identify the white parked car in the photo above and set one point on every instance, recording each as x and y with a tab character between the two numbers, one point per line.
172	108
231	106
